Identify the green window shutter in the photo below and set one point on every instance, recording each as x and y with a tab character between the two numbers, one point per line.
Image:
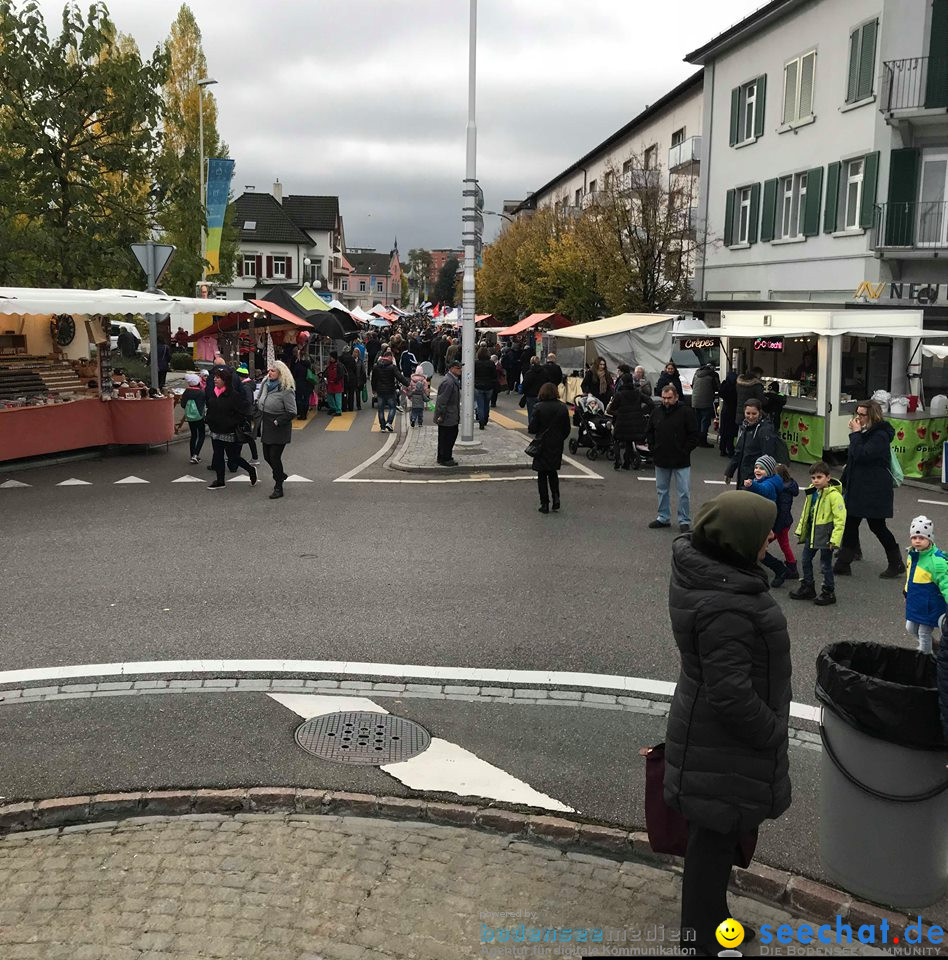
754	213
761	107
735	114
903	191
870	184
853	66
729	218
769	211
814	193
936	86
867	60
830	210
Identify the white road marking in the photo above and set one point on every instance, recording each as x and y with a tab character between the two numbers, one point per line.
582	467
389	443
477	479
722	482
240	478
187	478
445	767
131	480
296	478
646	479
940	503
10	484
73	482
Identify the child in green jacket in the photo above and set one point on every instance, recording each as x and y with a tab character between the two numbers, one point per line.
926	584
820	530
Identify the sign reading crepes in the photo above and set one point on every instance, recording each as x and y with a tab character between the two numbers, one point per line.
699	343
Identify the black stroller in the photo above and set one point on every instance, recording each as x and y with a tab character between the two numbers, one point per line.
595	429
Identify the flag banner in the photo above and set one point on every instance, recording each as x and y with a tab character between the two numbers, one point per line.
219	173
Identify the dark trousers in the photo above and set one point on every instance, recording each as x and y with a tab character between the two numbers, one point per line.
878	526
349	399
162	376
302	400
623	451
826	566
446	439
198	432
253	449
230	452
273	454
548	482
708	861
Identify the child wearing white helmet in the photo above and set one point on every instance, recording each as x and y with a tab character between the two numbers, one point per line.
926	584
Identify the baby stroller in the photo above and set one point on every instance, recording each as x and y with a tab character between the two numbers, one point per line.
595	428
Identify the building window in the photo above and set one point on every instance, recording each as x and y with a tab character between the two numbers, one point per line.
607	180
678	137
626	167
592	186
742	217
345	284
798	87
862	61
792	194
579	196
747	111
379	287
650	159
250	265
361	286
279	268
851	195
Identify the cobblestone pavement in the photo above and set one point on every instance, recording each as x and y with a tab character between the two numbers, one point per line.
499	448
309	887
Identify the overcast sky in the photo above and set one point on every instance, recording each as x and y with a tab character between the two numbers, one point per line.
367	99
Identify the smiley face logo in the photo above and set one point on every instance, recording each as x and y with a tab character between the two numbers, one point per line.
730	934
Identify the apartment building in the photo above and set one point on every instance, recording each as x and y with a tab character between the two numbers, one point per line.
369	277
824	167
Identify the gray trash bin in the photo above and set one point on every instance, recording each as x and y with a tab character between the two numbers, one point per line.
884	786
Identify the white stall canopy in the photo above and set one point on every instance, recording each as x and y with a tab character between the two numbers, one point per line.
25	301
639	338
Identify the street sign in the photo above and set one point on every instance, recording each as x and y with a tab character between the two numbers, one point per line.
472	191
163	252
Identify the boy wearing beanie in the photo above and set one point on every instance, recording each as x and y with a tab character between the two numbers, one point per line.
926	584
769	484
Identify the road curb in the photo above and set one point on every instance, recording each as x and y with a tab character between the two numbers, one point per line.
776	888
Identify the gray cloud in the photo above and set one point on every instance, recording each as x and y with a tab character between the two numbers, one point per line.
367	99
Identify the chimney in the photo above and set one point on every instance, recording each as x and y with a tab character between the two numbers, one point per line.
250	188
278	191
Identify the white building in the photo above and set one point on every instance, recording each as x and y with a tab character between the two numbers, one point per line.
824	169
665	136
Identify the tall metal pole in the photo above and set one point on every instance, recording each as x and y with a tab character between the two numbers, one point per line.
152	318
469	236
201	153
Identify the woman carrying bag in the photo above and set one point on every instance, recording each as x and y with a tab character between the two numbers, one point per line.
276	408
551	427
227	423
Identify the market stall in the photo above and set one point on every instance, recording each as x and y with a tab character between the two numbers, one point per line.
58	371
825	362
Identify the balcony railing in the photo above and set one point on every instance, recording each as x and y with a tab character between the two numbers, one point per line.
918	83
684	154
922	225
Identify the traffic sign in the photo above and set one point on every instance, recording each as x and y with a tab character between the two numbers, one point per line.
162	254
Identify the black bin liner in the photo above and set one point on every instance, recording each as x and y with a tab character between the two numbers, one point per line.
885	692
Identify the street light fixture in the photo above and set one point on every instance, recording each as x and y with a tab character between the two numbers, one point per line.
495	213
201	84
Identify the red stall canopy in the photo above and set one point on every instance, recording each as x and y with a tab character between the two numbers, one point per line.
554	320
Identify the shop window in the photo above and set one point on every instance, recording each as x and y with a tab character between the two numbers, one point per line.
798	77
850	196
792	193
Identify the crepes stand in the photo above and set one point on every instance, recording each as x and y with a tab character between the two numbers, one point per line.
825	362
56	385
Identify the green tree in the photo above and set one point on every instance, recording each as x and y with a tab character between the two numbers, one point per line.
79	127
181	216
444	287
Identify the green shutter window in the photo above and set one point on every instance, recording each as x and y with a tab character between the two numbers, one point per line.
903	186
936	86
769	212
760	108
830	210
870	183
754	214
814	193
729	218
867	60
735	114
853	66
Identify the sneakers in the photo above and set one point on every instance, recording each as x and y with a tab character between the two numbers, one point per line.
544	508
804	592
253	477
556	505
825	599
216	485
684	527
194	460
658	525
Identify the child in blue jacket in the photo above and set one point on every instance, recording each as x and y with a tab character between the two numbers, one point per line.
768	483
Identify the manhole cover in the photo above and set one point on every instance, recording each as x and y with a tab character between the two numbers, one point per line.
356	737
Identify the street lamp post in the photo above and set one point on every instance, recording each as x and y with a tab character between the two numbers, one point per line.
470	217
496	213
201	84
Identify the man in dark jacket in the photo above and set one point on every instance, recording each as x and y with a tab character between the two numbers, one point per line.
372	349
757	438
672	435
704	386
533	379
348	361
385	378
553	371
447	414
726	768
164	363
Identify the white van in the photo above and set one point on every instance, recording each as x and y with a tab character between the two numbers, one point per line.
117	327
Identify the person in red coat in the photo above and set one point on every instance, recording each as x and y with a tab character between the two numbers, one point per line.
335	383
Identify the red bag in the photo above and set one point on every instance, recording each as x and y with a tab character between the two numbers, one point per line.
667	828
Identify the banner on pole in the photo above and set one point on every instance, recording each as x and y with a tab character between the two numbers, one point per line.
219	173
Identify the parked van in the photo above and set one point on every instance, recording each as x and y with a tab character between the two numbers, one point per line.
117	327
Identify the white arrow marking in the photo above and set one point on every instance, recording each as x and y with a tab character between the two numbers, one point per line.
187	478
72	482
722	482
9	484
646	479
296	478
131	480
444	766
243	478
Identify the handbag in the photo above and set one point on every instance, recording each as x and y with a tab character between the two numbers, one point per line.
523	400
244	431
535	447
668	829
365	394
311	375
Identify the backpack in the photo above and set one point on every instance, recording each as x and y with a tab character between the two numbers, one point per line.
191	412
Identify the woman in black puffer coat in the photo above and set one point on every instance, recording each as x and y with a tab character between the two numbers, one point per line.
630	410
867	487
551	427
726	744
